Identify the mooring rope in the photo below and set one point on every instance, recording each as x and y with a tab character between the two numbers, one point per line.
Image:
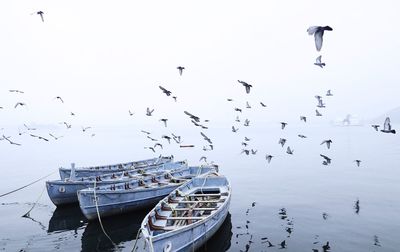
136	239
98	216
34	204
22	187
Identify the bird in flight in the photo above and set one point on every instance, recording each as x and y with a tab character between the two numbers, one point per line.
317	113
302	136
358	162
262	104
318	32
131	113
318	62
203	158
375	127
289	151
174	97
149	112
195	118
327	160
246	85
28	128
165	91
67	125
246	122
72	114
40	13
268	157
282	141
253	152
150	148
387	127
248	105
238	110
168	138
16	91
329	93
19	104
283	125
234	129
85	128
158	144
303	118
180	68
164	120
146	132
39	137
55	138
247	152
8	140
152	139
327	142
206	138
59	98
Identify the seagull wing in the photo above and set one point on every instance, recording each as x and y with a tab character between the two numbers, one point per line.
318	39
318	59
312	29
248	88
386	125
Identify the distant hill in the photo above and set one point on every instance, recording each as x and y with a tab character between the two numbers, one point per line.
394	115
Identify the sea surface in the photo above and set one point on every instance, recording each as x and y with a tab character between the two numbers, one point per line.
294	198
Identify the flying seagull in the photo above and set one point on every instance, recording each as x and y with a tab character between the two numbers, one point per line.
40	13
146	132
149	112
329	93
248	105
168	138
327	159
174	97
59	98
158	144
67	125
131	113
206	138
282	141
246	85
55	138
237	119
375	127
165	91
317	113
150	148
268	158
289	151
246	122
39	137
320	104
16	91
19	104
318	32
28	128
164	120
327	142
229	99
152	139
203	158
262	104
85	128
318	62
196	118
180	68
358	162
283	125
387	127
253	152
303	118
302	136
11	142
234	129
247	152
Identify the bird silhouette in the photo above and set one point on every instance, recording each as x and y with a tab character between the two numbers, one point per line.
8	140
168	138
39	137
327	160
40	13
150	148
206	138
146	132
254	152
262	104
329	93
317	113
234	129
152	139
327	142
84	129
159	145
326	247
193	117
174	97
229	99
283	125
318	32
303	118
247	152
387	127
248	105
238	110
16	91
246	122
149	112
268	157
237	119
203	158
283	244
318	62
358	162
165	91
246	85
289	151
131	113
301	136
180	68
357	206
282	141
19	104
164	120
29	128
375	127
55	137
59	98
246	139
67	125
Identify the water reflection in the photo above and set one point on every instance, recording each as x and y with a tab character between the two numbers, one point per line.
66	218
221	240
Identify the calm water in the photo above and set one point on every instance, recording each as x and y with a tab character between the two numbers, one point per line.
299	183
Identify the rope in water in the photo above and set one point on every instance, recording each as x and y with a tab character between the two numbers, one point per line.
34	204
98	216
22	187
136	239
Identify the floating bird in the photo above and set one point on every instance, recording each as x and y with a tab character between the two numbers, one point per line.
282	141
19	104
85	128
238	109
55	138
28	128
328	93
158	144
195	118
152	139
303	118
327	160
8	140
246	122
318	62
180	68
246	85
164	120
283	125
16	91
327	142
146	132
206	137
358	162
234	129
302	136
165	91
203	158
268	158
289	151
387	127
131	113
317	113
39	137
59	98
167	138
375	127
248	105
262	104
318	32
149	112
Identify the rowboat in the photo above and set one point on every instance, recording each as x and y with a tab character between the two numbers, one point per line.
189	216
138	194
63	192
104	169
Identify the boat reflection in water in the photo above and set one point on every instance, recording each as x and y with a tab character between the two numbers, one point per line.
66	218
221	240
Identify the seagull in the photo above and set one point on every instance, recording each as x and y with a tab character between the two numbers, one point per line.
282	141
146	132
283	244
328	93
165	91
327	142
268	158
28	128
318	62
158	144
21	133
203	158
151	148
302	136
176	138
320	104
20	104
375	127
248	105
41	15
55	138
318	32
238	109
229	99
206	138
247	152
164	120
254	152
8	139
131	113
174	98
246	122
387	127
149	112
180	68
152	139
237	119
317	113
16	91
289	151
358	162
196	118
234	129
59	98
283	124
41	138
246	139
167	137
246	85
262	104
326	247
244	144
85	128
72	114
67	125
327	159
303	118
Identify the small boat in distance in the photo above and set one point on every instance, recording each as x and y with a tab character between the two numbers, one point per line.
63	192
137	194
189	216
104	169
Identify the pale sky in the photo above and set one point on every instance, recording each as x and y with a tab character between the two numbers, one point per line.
106	57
